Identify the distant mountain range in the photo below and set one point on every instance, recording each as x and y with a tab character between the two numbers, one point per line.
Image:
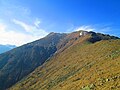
60	60
5	48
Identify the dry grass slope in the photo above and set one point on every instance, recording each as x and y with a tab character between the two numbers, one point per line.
83	66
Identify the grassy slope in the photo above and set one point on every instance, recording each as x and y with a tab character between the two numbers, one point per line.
87	66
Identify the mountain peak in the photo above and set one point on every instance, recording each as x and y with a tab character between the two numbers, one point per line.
51	33
22	60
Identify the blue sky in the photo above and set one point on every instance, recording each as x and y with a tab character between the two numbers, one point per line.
23	21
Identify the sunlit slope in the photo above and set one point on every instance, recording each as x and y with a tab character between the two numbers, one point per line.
83	66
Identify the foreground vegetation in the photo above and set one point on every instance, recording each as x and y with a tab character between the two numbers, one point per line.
83	66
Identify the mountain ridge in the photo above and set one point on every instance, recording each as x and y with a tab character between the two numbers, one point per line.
83	66
21	61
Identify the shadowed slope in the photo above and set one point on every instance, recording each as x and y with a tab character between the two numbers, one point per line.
19	62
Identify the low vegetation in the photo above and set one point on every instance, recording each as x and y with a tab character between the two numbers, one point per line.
83	66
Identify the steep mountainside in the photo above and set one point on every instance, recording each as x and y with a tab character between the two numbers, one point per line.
81	67
82	64
4	48
19	62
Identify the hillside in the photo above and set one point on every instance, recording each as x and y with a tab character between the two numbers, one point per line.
5	48
19	62
89	63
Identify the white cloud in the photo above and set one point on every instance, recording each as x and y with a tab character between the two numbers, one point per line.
101	28
10	33
85	27
2	27
16	38
32	29
23	25
18	32
37	22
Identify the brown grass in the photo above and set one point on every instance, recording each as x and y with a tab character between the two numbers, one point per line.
80	67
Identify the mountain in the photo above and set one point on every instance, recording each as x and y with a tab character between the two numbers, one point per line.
5	48
17	63
90	63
